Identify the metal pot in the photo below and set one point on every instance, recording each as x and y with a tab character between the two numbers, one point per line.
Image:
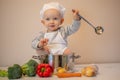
56	60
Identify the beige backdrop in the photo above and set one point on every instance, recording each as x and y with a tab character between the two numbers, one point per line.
19	22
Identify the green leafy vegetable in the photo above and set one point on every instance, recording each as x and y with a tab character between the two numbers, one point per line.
14	72
29	68
3	73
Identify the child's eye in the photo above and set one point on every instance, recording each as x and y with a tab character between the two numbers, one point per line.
47	19
55	18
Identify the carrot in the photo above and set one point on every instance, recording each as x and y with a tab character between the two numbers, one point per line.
65	75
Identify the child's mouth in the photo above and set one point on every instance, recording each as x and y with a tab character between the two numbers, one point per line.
52	25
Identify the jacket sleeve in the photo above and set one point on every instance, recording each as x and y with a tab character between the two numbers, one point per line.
72	28
36	40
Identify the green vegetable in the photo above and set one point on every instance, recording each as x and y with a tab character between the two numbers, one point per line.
3	73
29	68
14	72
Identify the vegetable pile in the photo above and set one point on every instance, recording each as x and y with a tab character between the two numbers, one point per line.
30	69
16	71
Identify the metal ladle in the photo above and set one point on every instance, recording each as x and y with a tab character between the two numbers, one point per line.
98	30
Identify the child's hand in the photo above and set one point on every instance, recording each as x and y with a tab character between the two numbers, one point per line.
43	44
76	14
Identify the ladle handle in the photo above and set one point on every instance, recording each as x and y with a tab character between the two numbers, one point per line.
86	21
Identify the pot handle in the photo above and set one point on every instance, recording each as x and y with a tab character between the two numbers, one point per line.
73	56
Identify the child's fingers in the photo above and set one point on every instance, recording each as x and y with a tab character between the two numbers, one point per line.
42	41
45	41
46	49
75	11
76	14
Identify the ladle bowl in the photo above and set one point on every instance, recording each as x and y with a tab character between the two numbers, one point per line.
99	30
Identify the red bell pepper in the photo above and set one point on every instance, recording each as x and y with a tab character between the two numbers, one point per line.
44	70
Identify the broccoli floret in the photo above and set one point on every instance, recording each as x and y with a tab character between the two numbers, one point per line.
29	68
14	72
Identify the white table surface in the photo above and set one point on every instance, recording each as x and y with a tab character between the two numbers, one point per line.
108	71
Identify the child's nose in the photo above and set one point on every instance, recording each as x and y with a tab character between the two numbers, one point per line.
51	21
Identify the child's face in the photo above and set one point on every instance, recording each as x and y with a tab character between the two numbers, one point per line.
52	19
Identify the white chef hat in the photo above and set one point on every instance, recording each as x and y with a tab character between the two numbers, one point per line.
52	5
